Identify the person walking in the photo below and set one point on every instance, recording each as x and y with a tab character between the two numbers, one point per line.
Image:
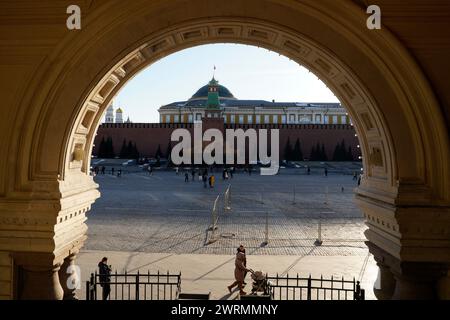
119	173
186	177
326	172
239	272
103	169
212	181
193	175
112	171
204	178
105	277
355	176
309	170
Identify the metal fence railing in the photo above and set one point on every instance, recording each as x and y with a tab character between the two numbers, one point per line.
297	288
138	286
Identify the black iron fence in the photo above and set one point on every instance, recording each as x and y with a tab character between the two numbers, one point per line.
138	286
166	286
297	288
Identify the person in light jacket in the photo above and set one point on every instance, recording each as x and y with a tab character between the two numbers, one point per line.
240	271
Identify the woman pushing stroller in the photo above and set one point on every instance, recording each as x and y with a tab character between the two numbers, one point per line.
240	271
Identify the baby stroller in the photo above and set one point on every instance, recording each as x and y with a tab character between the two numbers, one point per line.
260	283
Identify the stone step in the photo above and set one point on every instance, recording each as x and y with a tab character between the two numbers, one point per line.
194	296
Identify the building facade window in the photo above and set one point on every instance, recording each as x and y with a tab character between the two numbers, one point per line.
344	119
325	119
176	118
233	118
258	119
250	119
335	119
275	119
266	119
168	118
283	119
305	118
292	118
318	118
225	118
190	118
241	119
198	116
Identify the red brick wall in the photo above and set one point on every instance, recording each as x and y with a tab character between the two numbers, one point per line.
148	136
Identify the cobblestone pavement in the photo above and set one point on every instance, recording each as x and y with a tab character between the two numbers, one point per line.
163	214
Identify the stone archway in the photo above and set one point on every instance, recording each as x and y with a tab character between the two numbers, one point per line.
404	196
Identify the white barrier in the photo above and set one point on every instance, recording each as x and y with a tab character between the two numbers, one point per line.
227	199
214	221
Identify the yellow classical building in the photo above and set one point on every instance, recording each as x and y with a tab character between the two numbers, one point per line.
233	110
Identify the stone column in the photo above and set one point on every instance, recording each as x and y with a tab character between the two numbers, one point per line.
386	282
69	278
40	283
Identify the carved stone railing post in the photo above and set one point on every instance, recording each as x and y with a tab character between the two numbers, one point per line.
386	282
69	278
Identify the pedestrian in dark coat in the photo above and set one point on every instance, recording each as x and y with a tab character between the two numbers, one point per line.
205	179
105	277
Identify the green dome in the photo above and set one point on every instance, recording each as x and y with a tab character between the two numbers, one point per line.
202	93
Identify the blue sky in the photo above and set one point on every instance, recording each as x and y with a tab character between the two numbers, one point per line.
248	72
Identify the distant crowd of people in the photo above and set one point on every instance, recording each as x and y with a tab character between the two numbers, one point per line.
102	170
206	175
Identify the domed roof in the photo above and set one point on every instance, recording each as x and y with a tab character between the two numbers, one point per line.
119	110
202	93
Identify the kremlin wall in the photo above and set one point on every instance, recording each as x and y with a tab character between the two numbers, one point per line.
148	136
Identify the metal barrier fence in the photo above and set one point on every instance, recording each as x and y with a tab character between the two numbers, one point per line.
212	235
227	199
214	221
297	288
138	286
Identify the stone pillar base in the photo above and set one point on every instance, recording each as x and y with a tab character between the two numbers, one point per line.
407	280
38	277
385	282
